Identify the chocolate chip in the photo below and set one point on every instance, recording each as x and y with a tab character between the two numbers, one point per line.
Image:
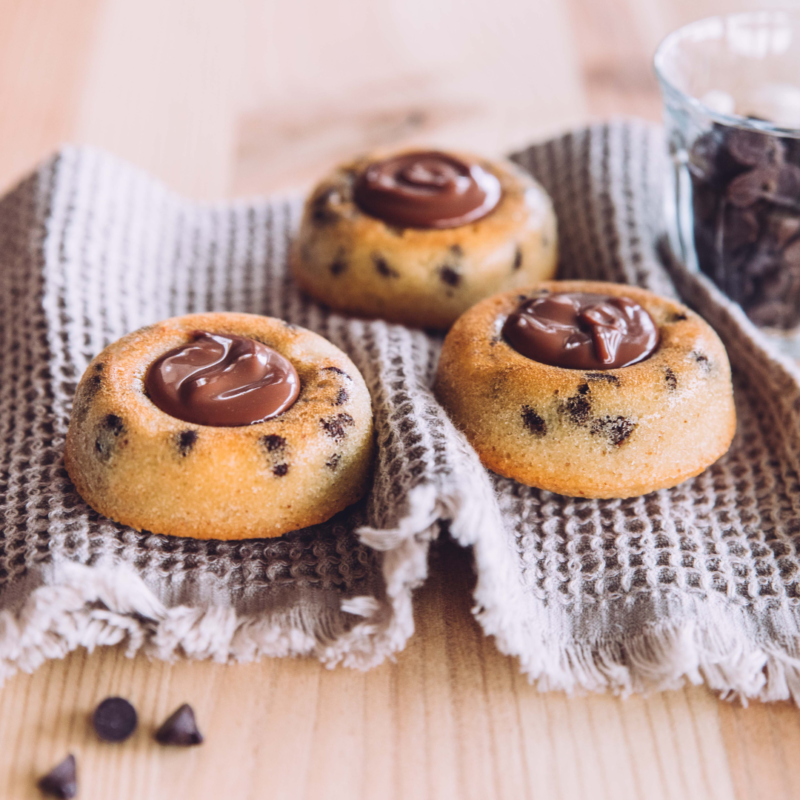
335	426
180	728
615	429
750	187
341	398
578	406
111	428
186	441
337	371
333	461
456	250
338	266
450	275
753	149
533	422
99	366
745	190
671	379
273	443
678	318
791	255
783	227
92	386
114	719
517	258
707	157
382	265
702	361
322	211
62	780
279	470
583	389
114	424
740	228
787	191
602	376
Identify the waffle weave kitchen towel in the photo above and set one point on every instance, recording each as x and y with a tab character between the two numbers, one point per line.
699	582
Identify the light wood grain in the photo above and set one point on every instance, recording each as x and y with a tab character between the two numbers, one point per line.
248	96
43	60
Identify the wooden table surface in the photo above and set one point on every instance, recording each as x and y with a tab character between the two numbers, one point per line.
239	97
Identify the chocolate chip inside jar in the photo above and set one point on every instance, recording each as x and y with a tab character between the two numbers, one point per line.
426	190
222	380
577	330
746	204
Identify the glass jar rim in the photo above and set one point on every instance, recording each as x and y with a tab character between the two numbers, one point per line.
730	120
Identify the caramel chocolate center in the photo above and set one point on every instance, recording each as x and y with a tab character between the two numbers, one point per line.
426	190
222	380
578	330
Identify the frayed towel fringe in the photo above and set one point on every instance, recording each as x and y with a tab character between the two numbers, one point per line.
718	651
81	606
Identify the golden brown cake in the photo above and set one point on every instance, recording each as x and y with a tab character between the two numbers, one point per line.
419	237
225	426
636	395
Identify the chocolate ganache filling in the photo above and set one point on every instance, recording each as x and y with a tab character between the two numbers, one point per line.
578	330
426	190
222	380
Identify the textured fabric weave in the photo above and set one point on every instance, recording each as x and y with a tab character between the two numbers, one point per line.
697	582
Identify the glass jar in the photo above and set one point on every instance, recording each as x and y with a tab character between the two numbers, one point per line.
731	88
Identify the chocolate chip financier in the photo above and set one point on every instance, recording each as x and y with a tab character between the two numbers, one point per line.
224	426
419	237
588	389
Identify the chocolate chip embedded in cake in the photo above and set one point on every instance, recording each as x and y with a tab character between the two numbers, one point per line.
336	426
534	423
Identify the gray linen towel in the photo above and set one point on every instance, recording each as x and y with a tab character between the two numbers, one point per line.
698	582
